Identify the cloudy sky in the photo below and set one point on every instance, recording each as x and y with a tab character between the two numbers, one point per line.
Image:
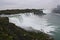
14	4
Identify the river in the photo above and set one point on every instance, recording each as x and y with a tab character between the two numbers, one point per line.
49	23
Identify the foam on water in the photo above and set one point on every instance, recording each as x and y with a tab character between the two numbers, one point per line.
31	20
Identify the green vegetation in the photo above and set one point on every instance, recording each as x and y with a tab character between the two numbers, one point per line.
16	11
9	31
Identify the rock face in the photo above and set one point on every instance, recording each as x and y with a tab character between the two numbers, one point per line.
38	12
9	31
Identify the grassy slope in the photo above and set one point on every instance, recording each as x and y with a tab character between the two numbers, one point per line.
9	31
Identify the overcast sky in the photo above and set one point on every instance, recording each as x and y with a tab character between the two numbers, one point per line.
11	4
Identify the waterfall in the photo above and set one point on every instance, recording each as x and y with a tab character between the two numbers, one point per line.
30	20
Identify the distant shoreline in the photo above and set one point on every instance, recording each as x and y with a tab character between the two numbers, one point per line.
16	11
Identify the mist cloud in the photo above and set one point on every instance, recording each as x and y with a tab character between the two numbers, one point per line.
10	4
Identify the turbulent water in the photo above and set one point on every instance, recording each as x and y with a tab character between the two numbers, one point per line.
35	21
49	23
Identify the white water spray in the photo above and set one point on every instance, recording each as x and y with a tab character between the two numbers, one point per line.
47	11
31	20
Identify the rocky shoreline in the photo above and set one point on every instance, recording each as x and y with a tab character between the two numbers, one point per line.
16	11
9	31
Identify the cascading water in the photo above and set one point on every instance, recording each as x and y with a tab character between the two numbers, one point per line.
49	23
30	20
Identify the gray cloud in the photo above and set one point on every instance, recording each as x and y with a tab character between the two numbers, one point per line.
9	4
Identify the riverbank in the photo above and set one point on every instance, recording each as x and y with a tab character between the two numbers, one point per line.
9	31
16	11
